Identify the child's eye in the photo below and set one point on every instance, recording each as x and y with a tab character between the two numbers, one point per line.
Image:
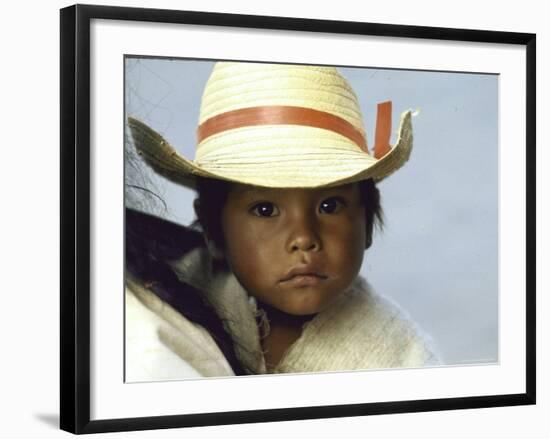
265	209
331	205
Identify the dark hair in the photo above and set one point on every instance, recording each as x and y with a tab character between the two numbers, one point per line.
151	242
212	195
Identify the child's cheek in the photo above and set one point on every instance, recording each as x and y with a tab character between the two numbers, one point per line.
251	249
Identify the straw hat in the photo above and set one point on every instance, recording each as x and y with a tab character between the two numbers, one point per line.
279	125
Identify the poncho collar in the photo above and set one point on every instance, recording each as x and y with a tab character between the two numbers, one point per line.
361	330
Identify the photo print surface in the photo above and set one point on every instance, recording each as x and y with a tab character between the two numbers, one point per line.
301	219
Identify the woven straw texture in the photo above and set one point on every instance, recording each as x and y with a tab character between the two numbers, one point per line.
275	155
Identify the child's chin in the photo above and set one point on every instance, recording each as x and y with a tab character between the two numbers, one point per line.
302	312
304	308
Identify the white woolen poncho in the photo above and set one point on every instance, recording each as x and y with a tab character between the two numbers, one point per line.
361	330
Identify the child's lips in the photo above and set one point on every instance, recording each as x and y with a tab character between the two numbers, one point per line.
303	275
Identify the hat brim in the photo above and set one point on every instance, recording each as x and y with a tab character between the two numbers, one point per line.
318	171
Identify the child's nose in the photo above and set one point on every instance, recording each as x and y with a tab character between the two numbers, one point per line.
304	235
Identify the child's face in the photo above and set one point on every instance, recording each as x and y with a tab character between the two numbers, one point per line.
294	249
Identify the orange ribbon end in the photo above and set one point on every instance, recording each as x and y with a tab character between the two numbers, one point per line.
383	129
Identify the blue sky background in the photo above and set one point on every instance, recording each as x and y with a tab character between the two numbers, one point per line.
438	253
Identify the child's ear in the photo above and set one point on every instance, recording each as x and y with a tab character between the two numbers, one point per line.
197	207
214	250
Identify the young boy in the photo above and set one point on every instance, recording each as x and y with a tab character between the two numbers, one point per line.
287	204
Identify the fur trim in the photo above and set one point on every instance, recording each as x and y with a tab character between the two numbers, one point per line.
230	301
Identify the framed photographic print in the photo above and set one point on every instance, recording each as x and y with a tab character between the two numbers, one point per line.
276	218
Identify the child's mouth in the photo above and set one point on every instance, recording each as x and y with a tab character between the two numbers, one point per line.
303	275
304	280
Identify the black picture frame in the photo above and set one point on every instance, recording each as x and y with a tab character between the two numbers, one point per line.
75	217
